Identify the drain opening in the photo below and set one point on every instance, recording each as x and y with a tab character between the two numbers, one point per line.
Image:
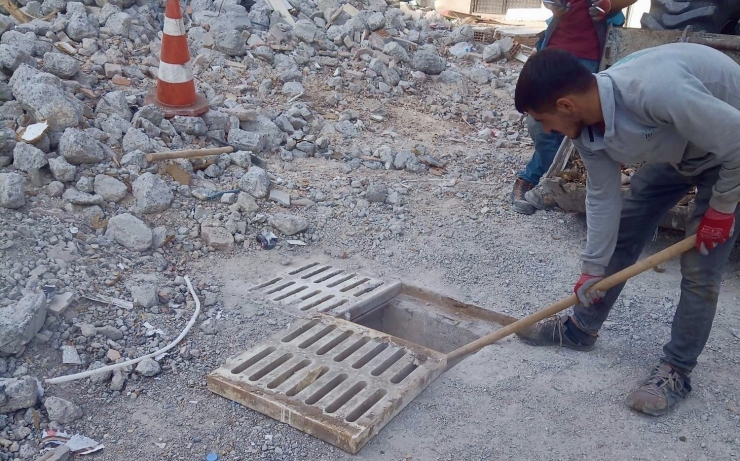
296	333
403	374
280	288
310	295
341	280
366	290
290	372
326	388
270	367
301	269
334	343
307	380
331	306
352	349
266	284
346	397
328	276
316	272
254	359
316	303
354	284
370	355
290	293
325	331
366	405
426	324
383	367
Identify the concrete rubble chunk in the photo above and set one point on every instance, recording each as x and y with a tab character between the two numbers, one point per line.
305	30
246	140
61	65
265	127
143	288
241	158
395	50
19	393
281	197
20	322
111	189
190	125
81	26
217	238
130	232
492	52
78	197
118	381
78	147
246	203
114	103
148	368
62	170
119	24
60	453
11	190
255	182
480	76
375	21
136	139
28	158
288	224
152	193
62	411
41	94
427	60
12	57
231	43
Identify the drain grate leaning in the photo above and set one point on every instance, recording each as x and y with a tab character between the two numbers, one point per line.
317	287
330	378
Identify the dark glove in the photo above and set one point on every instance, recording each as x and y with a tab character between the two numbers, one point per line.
599	9
583	285
714	228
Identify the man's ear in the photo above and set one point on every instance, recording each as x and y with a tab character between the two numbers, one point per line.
565	104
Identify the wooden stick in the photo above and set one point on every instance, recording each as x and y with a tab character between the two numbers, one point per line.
190	153
609	282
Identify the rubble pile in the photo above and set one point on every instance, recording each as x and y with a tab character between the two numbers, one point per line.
83	212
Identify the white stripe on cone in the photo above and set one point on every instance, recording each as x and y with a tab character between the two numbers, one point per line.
174	27
175	73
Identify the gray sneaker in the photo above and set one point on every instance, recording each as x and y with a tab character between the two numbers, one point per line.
660	391
539	200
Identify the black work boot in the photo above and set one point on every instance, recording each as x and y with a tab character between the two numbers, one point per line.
558	331
661	391
518	201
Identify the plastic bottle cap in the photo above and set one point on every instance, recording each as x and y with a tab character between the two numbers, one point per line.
212	457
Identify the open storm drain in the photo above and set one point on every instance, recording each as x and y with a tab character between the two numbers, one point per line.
341	376
330	378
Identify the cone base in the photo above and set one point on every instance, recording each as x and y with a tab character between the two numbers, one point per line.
200	106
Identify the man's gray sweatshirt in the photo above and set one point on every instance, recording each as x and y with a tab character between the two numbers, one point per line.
677	104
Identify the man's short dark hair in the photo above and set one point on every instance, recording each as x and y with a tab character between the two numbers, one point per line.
548	76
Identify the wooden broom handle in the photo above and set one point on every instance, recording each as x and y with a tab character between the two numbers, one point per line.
609	282
188	153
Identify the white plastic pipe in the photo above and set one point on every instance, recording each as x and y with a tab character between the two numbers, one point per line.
116	366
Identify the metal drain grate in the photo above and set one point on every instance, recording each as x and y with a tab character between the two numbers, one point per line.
317	287
330	378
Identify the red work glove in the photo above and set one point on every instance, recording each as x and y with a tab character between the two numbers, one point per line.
714	228
583	285
599	9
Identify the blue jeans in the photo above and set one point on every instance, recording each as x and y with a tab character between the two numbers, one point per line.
546	144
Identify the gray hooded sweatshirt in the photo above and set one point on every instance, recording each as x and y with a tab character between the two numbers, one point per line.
676	104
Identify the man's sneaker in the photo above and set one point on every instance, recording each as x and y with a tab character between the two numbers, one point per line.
558	331
660	392
519	203
539	200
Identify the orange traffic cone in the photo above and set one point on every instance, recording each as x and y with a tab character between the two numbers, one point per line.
175	93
